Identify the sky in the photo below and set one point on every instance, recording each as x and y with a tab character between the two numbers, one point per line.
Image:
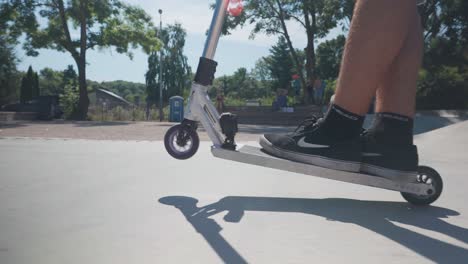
233	52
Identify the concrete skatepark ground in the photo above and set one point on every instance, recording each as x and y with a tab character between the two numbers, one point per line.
96	201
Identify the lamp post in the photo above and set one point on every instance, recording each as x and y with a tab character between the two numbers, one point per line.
160	71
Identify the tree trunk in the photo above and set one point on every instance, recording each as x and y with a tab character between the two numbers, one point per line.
310	52
298	65
83	102
81	112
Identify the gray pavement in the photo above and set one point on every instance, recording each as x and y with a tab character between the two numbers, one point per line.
154	131
94	201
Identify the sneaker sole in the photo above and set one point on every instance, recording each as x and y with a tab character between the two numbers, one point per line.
310	159
393	175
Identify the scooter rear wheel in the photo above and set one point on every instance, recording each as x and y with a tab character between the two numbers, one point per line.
426	175
181	142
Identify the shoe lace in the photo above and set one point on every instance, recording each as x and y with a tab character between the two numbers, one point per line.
364	132
309	124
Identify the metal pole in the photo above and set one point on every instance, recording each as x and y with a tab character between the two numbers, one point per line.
215	29
160	71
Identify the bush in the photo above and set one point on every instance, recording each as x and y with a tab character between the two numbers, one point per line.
69	100
329	91
268	101
444	88
138	114
233	101
120	114
117	114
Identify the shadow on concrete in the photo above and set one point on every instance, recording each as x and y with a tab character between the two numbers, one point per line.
98	124
425	124
7	125
254	129
372	215
166	124
14	124
422	124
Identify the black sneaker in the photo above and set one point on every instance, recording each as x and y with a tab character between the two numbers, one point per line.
394	162
311	143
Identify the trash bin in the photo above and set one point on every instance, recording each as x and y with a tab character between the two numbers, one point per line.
176	109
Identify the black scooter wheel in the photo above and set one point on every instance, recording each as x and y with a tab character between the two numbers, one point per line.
181	142
426	175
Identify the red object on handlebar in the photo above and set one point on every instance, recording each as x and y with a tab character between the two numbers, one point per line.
235	7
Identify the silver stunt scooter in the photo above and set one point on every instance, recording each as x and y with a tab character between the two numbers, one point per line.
182	142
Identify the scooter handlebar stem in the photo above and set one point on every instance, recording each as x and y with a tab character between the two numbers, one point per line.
215	29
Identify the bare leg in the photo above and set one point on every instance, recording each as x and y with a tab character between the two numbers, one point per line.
397	92
378	54
378	32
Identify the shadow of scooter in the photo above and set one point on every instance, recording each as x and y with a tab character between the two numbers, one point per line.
372	215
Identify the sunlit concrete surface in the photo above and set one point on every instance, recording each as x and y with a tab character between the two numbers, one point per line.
90	201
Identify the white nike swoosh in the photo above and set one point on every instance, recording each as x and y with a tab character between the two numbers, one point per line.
371	154
304	144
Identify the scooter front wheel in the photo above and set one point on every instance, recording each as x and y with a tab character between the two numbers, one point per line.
181	142
426	175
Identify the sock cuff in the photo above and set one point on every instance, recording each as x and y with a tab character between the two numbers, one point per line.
392	129
345	113
394	116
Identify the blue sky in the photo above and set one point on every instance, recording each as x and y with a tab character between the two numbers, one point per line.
234	51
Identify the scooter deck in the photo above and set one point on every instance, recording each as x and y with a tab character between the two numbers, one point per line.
255	156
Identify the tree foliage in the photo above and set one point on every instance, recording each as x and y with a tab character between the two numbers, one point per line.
131	91
329	55
10	78
280	64
176	73
317	17
444	77
51	82
79	25
69	100
69	76
29	86
9	75
240	85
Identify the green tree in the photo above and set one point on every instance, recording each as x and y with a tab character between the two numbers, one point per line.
69	100
69	76
51	82
329	54
23	90
280	64
261	71
35	86
240	85
27	86
104	24
8	72
129	90
443	80
176	73
10	77
317	17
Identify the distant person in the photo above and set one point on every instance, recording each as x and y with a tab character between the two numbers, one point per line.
382	57
281	100
310	90
319	89
220	100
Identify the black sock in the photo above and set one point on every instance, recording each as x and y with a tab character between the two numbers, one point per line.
342	124
392	129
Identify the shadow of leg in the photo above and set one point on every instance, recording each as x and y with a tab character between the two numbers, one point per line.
208	228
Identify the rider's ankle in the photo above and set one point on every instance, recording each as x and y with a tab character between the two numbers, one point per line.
343	124
392	129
